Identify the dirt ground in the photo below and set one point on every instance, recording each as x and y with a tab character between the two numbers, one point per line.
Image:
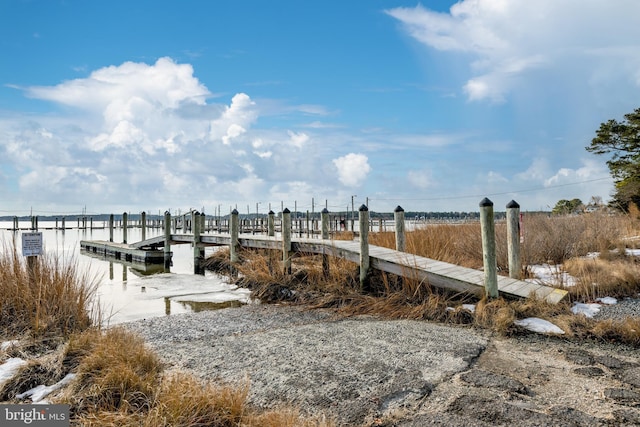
537	381
371	372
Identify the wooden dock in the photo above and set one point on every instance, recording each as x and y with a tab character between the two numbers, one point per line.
122	251
436	273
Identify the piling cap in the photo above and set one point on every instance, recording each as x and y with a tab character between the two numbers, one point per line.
363	208
271	212
325	211
167	213
398	209
485	203
286	210
234	212
513	205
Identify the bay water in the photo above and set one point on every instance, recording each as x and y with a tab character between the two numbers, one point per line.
127	291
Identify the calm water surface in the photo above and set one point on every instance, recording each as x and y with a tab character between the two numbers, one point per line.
130	292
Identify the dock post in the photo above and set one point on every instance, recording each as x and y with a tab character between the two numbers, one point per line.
364	244
167	240
143	224
271	223
111	228
197	250
63	226
324	218
487	226
286	241
56	223
398	216
124	227
233	230
513	239
15	223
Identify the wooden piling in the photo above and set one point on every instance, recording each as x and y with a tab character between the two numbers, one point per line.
513	240
143	224
233	230
124	227
364	244
111	228
271	224
324	219
286	241
198	255
487	227
167	240
398	215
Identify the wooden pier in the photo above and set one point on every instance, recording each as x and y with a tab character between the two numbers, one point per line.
122	251
397	262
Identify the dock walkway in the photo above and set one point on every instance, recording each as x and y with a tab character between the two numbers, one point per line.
436	273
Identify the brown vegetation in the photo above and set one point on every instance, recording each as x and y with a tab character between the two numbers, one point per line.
564	241
121	382
48	299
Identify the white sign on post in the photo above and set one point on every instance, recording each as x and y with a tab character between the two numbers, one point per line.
32	244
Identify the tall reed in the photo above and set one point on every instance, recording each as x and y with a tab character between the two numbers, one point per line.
45	299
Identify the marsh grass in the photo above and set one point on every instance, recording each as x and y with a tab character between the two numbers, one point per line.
562	241
119	381
49	300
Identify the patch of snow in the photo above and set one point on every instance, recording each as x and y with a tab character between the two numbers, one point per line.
607	300
9	368
6	344
470	307
40	392
551	275
633	252
538	325
588	310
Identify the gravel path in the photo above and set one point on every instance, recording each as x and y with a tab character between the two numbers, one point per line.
365	371
627	307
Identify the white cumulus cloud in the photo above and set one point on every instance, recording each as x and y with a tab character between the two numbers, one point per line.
508	41
352	169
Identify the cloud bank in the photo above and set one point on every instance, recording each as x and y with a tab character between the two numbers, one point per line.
508	40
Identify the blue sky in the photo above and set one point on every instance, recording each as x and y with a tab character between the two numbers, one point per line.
154	105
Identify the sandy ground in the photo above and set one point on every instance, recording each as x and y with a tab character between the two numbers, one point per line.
364	371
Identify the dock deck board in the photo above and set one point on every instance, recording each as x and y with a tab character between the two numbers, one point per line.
437	273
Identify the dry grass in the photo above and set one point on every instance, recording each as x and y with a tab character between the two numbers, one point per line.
547	239
121	382
598	277
626	331
50	300
117	372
